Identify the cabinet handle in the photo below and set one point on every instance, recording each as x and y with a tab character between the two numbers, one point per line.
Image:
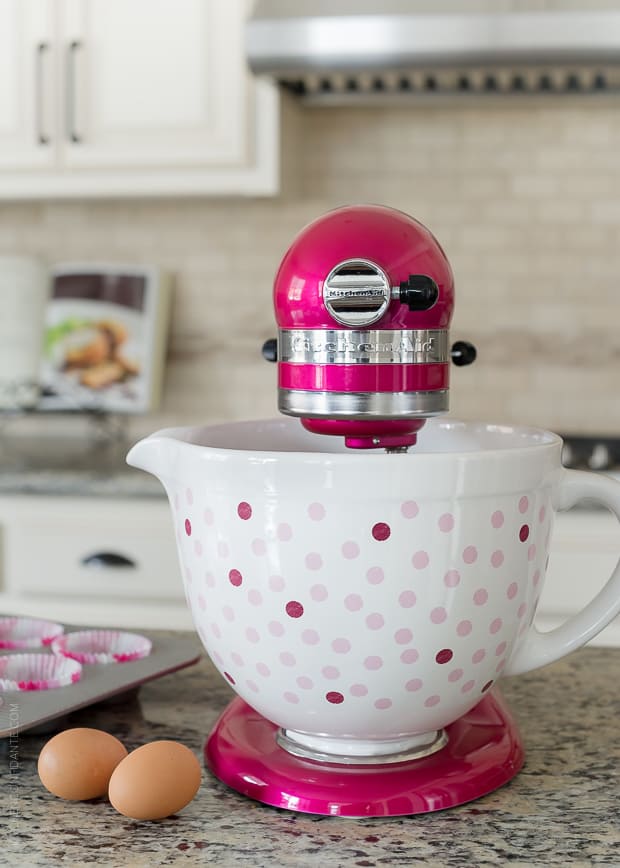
108	560
71	96
41	49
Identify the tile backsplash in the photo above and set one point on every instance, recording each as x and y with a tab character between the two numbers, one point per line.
523	194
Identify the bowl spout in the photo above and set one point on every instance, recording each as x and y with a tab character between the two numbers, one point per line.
151	454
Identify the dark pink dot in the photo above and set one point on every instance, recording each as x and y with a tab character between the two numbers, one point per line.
188	527
444	656
294	609
244	510
230	678
381	531
334	697
486	686
524	532
235	578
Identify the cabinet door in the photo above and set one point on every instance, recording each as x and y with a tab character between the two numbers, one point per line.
27	137
154	83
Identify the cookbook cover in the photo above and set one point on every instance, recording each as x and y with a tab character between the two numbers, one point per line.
105	338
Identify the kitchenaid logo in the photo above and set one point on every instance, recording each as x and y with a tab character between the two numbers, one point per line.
348	346
331	293
344	344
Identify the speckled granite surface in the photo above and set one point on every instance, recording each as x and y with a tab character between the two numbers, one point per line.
562	809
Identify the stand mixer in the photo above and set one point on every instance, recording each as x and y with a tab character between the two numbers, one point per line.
363	578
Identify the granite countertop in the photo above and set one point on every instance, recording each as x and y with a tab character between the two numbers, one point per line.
562	809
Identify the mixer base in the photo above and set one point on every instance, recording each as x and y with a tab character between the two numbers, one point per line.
484	751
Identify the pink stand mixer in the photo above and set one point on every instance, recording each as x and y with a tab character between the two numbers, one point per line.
360	596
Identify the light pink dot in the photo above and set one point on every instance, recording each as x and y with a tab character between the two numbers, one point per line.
341	646
310	637
409	655
350	550
209	580
523	505
216	631
258	546
358	690
208	516
218	658
255	597
284	532
414	684
198	547
228	613
478	656
497	558
452	578
523	629
188	575
314	561
353	602
375	575
467	686
480	597
403	636
252	635
470	554
409	509
375	621
521	610
291	697
420	560
287	659
316	511
446	522
541	514
263	670
500	665
304	682
176	500
252	686
276	583
455	675
431	701
407	599
536	577
318	593
202	602
500	649
189	496
496	625
531	552
275	628
222	549
383	703
330	672
373	662
244	510
237	659
512	591
497	519
438	615
463	628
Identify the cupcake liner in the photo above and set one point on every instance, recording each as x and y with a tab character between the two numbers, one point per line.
37	672
27	632
102	646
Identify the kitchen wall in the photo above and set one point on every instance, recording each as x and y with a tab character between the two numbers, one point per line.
523	195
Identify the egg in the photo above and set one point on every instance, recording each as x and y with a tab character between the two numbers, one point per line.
155	780
77	764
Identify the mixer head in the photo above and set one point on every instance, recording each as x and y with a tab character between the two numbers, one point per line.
363	300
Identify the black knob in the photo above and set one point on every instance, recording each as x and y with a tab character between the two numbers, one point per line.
463	353
270	350
419	292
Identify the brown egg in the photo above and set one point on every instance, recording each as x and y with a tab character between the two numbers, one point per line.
155	780
77	764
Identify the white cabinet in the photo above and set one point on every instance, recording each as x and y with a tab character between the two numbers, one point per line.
132	97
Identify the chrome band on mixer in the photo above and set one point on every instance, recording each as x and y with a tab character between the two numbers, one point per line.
360	405
370	346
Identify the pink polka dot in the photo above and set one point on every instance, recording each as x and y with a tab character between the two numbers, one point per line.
409	509
252	635
209	580
512	591
358	690
291	697
478	656
316	511
446	522
318	593
235	578
334	697
403	636
524	532
467	686
409	655
314	561
407	599
431	701
500	649
330	672
208	516
497	558
310	637
541	514
414	684
463	628
259	546
284	532
263	670
216	631
188	575
536	577
176	500
237	659
255	598
470	554
500	665
341	646
373	662
523	505
218	658
375	575
531	552
222	549
304	682
189	496
496	625
202	602
521	610
188	527
228	613
452	578
383	703
420	560
198	547
244	510
381	531
294	609
229	677
353	602
375	621
350	550
497	519
275	628
287	659
276	583
455	675
444	656
480	597
252	686
438	615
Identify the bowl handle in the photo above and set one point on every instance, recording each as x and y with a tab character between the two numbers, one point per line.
536	648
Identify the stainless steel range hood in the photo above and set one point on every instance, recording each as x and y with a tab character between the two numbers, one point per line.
341	51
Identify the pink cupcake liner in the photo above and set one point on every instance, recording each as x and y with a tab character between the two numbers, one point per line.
37	672
27	632
102	646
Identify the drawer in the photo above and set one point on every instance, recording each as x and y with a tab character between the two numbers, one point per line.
91	548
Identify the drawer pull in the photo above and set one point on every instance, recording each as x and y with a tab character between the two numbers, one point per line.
108	560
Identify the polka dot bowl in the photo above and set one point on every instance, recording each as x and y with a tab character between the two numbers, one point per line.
369	598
